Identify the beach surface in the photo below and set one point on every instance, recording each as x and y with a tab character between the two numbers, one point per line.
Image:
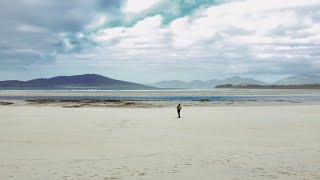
209	142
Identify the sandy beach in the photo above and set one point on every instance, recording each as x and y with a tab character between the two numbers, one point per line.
91	90
223	142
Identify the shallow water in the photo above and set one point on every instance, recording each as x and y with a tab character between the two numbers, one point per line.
165	95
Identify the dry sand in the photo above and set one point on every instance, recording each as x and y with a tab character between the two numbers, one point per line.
225	142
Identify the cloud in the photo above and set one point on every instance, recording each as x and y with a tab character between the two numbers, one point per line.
183	39
48	28
133	6
98	22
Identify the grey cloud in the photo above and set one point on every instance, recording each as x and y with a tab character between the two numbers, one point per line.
44	25
34	31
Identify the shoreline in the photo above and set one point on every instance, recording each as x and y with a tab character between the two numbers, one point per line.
150	103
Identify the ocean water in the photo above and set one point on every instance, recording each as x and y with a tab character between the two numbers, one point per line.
168	98
162	95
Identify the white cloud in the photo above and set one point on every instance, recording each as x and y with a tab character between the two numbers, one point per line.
134	6
98	22
67	44
146	33
240	37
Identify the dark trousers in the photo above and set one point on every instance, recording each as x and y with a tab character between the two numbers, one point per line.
179	113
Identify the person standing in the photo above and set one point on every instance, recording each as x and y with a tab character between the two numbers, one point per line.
179	109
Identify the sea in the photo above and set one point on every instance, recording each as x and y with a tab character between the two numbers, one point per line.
160	94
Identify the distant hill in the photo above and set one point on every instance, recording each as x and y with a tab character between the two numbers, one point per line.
239	80
78	81
254	86
183	85
196	84
299	80
170	84
98	81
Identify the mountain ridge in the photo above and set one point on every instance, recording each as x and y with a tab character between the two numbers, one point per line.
299	80
236	80
76	81
204	84
99	81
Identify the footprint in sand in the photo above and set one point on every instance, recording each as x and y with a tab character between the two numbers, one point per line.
109	178
256	170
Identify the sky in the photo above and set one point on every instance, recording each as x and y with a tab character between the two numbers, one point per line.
147	41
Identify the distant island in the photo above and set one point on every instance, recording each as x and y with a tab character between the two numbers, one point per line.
210	84
77	81
98	81
236	80
255	86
